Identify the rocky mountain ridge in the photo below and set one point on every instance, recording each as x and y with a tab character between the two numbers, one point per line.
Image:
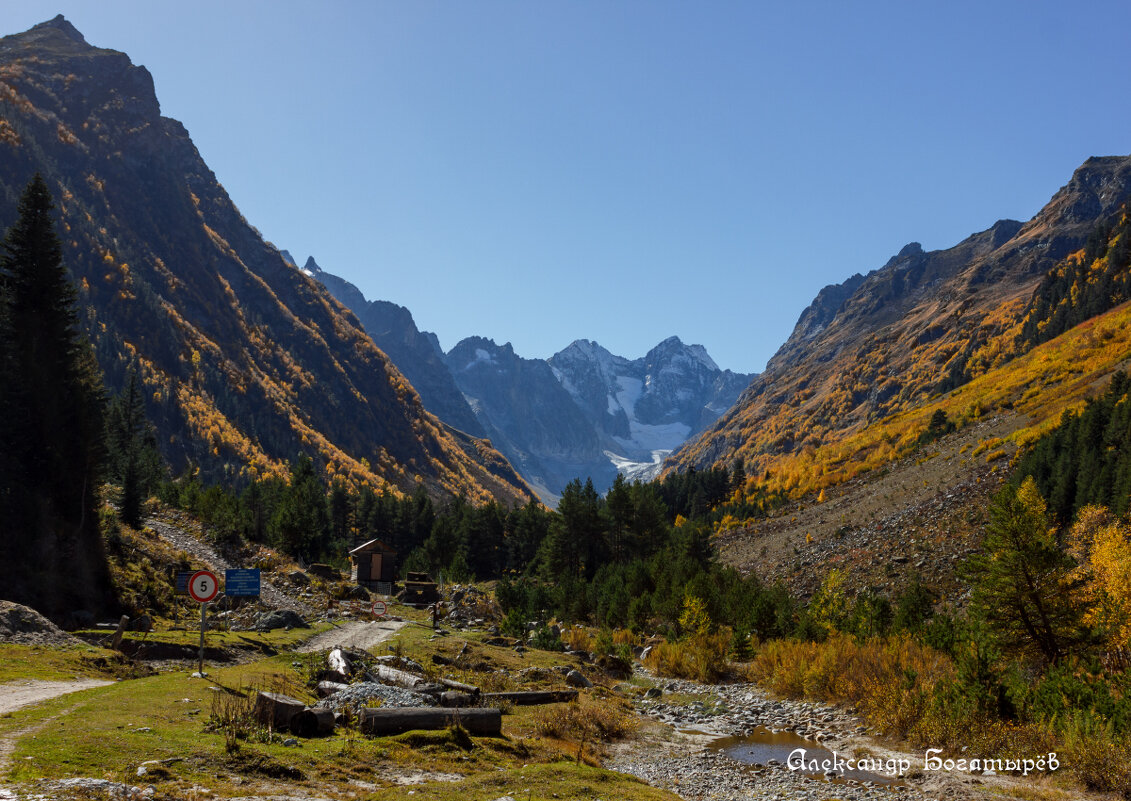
612	414
923	324
246	362
417	354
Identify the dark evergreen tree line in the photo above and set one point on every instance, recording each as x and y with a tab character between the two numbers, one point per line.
1076	292
51	423
305	518
1086	459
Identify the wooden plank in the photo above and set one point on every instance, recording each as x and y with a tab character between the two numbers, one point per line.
459	685
399	677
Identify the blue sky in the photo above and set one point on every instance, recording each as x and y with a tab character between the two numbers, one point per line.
538	172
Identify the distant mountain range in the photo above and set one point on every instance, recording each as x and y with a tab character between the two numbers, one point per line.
583	413
246	362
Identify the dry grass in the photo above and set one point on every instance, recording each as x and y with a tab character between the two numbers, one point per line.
586	721
907	690
577	639
702	657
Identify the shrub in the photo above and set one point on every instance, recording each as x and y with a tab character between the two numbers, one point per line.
1093	755
585	721
545	639
514	625
700	658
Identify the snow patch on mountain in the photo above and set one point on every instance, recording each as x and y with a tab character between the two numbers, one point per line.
645	408
635	470
648	437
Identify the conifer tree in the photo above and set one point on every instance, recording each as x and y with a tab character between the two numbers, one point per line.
301	524
738	476
1023	583
53	402
133	459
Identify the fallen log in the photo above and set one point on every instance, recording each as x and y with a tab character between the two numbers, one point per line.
530	697
399	677
459	685
455	698
310	722
394	720
327	688
276	710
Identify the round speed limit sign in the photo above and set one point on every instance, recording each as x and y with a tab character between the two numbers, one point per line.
203	586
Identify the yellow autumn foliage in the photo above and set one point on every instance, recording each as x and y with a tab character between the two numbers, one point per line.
1102	546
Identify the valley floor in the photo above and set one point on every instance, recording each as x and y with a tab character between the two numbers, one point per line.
680	752
676	750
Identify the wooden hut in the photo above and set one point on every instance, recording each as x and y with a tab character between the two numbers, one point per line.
372	562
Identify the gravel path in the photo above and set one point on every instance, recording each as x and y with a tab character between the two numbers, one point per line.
270	596
359	634
17	694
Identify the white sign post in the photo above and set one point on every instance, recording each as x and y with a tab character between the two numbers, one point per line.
202	588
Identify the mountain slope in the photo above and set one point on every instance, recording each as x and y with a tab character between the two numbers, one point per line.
889	342
246	361
529	416
417	354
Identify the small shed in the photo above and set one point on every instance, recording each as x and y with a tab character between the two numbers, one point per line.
372	562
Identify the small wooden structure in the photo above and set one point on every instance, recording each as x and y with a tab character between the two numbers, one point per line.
419	588
372	562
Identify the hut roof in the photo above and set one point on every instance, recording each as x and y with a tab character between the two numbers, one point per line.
372	546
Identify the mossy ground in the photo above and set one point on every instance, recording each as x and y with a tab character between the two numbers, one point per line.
169	721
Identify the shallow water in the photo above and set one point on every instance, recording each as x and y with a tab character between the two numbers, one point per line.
763	745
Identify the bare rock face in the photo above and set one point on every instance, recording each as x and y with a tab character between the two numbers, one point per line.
587	413
416	353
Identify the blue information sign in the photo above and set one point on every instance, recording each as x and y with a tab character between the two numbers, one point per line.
183	577
241	581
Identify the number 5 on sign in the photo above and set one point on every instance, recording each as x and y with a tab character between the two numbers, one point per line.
203	587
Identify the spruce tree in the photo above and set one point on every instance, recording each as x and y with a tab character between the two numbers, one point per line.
53	402
133	459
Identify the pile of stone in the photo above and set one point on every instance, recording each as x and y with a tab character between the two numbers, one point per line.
468	606
352	698
23	625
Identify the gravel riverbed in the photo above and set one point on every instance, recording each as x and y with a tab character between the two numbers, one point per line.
679	756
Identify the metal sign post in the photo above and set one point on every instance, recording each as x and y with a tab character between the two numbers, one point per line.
203	586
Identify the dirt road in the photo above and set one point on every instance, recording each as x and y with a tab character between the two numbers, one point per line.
17	694
357	634
25	693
